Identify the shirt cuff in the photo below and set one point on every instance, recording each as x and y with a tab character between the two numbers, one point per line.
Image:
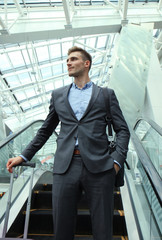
117	163
25	159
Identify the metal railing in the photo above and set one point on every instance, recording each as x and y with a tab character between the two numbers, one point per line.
14	144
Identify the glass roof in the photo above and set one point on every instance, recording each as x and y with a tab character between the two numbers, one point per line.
31	71
31	3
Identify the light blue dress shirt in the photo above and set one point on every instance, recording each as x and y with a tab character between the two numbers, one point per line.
79	99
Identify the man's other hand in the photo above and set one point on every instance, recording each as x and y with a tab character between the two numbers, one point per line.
117	168
12	162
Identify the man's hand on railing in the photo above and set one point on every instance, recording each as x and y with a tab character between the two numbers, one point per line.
12	162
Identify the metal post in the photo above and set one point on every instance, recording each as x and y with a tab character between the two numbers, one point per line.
8	205
28	206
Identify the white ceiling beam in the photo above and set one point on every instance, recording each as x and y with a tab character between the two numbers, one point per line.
87	21
72	5
4	27
125	11
67	13
59	33
5	23
19	8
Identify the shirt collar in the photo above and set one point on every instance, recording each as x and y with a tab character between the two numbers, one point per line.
86	86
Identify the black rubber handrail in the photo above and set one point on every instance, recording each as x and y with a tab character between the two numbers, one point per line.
26	164
153	124
18	132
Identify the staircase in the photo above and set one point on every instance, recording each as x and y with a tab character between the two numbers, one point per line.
41	222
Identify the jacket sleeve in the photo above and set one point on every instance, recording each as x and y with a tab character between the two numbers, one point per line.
43	133
121	129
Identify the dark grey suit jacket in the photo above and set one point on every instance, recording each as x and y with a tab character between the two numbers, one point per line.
90	131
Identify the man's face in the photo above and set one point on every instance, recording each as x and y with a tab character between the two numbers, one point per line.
75	64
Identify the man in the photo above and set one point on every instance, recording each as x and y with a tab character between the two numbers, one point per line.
82	159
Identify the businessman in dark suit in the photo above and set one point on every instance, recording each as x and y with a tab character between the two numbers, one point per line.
82	159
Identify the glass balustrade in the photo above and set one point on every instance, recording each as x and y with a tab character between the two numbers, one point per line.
14	146
152	142
146	178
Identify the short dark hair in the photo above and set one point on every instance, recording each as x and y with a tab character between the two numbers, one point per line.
84	53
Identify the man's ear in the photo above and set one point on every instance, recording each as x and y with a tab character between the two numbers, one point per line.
87	63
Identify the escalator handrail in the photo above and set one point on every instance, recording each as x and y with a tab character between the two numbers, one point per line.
149	168
18	132
153	124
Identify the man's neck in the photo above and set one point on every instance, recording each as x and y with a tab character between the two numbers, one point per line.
81	82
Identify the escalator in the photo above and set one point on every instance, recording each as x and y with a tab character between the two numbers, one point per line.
126	226
144	179
41	225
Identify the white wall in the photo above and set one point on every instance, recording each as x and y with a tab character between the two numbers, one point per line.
153	100
131	70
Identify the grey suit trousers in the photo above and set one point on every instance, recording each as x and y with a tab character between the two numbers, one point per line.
98	188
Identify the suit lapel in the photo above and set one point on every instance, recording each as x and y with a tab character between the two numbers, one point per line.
65	96
95	92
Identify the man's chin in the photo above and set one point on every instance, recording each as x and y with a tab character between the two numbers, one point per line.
70	75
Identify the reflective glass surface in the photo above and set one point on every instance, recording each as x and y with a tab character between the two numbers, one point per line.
152	142
147	206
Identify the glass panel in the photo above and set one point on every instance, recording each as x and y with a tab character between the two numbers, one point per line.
42	53
57	69
152	143
30	93
65	48
4	62
145	201
20	95
25	106
16	59
13	148
49	87
46	72
91	42
24	78
101	41
34	102
55	51
13	81
64	67
58	83
68	80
